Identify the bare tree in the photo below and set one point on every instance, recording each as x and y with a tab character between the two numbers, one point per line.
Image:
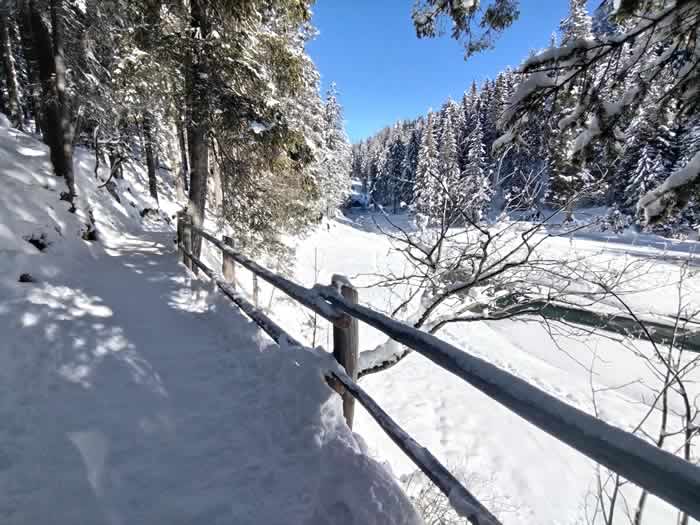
673	370
462	271
435	508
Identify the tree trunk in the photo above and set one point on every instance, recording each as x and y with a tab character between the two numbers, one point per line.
183	180
115	164
64	156
3	102
151	146
47	47
117	151
198	118
34	87
14	99
146	37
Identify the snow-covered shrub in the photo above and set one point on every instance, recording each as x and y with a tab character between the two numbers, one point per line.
434	507
615	221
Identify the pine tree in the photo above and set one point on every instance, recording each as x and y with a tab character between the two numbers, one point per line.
267	159
568	177
335	180
647	174
448	166
148	33
577	24
689	142
649	154
456	117
428	193
409	165
475	180
397	154
471	109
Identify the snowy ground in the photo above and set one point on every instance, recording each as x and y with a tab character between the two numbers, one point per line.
130	393
528	476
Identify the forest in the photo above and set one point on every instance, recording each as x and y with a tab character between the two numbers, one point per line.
226	95
221	93
480	155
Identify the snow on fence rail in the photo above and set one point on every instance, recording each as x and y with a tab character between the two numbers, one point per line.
661	473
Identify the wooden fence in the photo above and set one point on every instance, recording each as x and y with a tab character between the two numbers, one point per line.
661	473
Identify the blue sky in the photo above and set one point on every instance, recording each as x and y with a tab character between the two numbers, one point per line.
384	73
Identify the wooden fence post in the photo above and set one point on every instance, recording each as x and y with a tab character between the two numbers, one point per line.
228	265
186	238
256	291
345	345
180	236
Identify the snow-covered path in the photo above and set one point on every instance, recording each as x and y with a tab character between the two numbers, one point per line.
146	398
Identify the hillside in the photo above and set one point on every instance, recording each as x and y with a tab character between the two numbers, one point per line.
132	393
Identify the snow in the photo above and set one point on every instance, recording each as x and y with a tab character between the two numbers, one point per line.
559	52
568	120
615	108
305	296
584	139
258	127
382	353
132	409
465	502
655	201
533	478
504	139
4	121
635	459
135	393
534	81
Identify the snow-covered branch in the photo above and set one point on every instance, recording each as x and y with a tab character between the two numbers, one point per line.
674	191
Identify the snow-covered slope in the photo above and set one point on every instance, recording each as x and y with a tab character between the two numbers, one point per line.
130	393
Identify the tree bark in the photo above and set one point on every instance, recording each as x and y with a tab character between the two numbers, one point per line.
33	89
150	123
47	44
14	98
64	131
3	102
346	344
183	180
198	118
151	146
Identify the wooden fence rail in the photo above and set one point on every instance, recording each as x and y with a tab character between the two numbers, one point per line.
661	473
